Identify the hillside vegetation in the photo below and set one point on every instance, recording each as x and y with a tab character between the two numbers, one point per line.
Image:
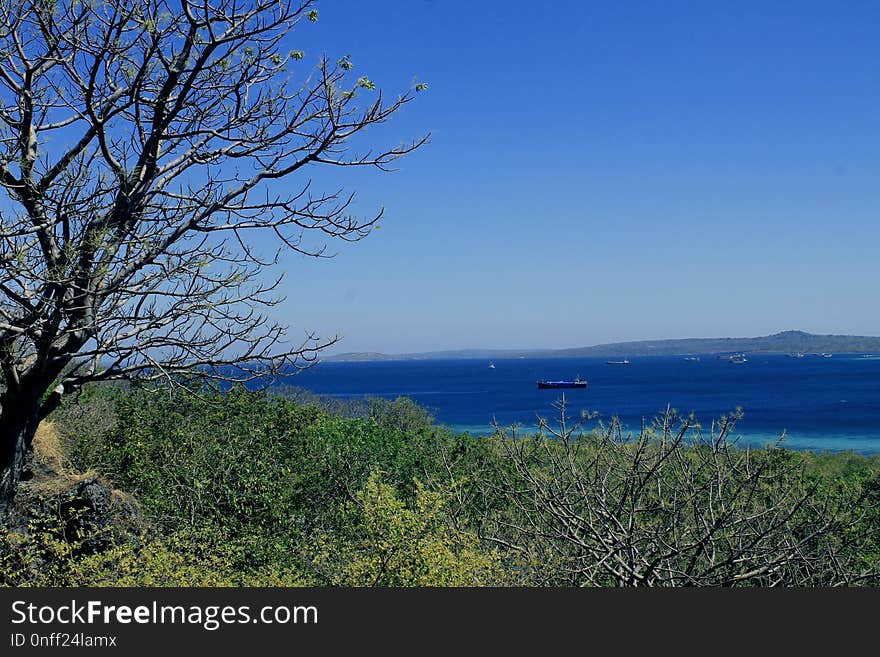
200	487
785	342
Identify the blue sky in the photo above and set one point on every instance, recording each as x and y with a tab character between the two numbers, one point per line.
606	171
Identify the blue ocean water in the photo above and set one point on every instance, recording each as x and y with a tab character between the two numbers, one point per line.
820	403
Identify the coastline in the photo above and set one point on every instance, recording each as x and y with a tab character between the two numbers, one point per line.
799	442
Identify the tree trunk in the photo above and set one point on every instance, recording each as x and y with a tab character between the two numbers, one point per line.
18	425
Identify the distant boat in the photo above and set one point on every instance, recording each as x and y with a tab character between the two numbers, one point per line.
739	359
734	357
826	355
491	366
577	383
693	359
617	362
797	354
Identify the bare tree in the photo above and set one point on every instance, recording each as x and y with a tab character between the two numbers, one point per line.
142	144
669	506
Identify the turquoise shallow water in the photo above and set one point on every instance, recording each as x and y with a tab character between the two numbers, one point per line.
821	403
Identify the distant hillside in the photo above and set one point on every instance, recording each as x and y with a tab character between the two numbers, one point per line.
778	343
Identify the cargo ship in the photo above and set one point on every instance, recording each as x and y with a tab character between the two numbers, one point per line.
577	383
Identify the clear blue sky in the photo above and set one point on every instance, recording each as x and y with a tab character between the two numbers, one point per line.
607	171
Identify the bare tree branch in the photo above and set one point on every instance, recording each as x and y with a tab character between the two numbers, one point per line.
668	506
141	144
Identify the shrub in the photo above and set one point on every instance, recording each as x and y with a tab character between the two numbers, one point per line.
385	542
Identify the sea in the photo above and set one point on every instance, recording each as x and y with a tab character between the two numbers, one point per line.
816	403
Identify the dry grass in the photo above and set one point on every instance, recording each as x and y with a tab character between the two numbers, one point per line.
54	476
52	472
47	448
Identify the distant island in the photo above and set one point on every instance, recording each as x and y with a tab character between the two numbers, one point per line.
778	343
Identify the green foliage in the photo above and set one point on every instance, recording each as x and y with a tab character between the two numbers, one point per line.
288	488
384	542
46	544
655	509
366	83
253	469
180	559
45	556
87	420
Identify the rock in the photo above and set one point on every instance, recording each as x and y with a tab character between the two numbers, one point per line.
87	513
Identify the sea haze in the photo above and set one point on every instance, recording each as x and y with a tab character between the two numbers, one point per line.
821	403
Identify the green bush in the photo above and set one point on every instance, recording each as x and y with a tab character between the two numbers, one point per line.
264	488
384	542
253	468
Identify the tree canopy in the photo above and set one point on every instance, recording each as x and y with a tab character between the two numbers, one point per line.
141	147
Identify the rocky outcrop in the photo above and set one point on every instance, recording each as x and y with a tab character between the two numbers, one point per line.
80	509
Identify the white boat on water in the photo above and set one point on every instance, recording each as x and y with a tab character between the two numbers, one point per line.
491	366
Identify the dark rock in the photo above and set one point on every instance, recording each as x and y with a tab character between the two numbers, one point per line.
87	514
85	511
